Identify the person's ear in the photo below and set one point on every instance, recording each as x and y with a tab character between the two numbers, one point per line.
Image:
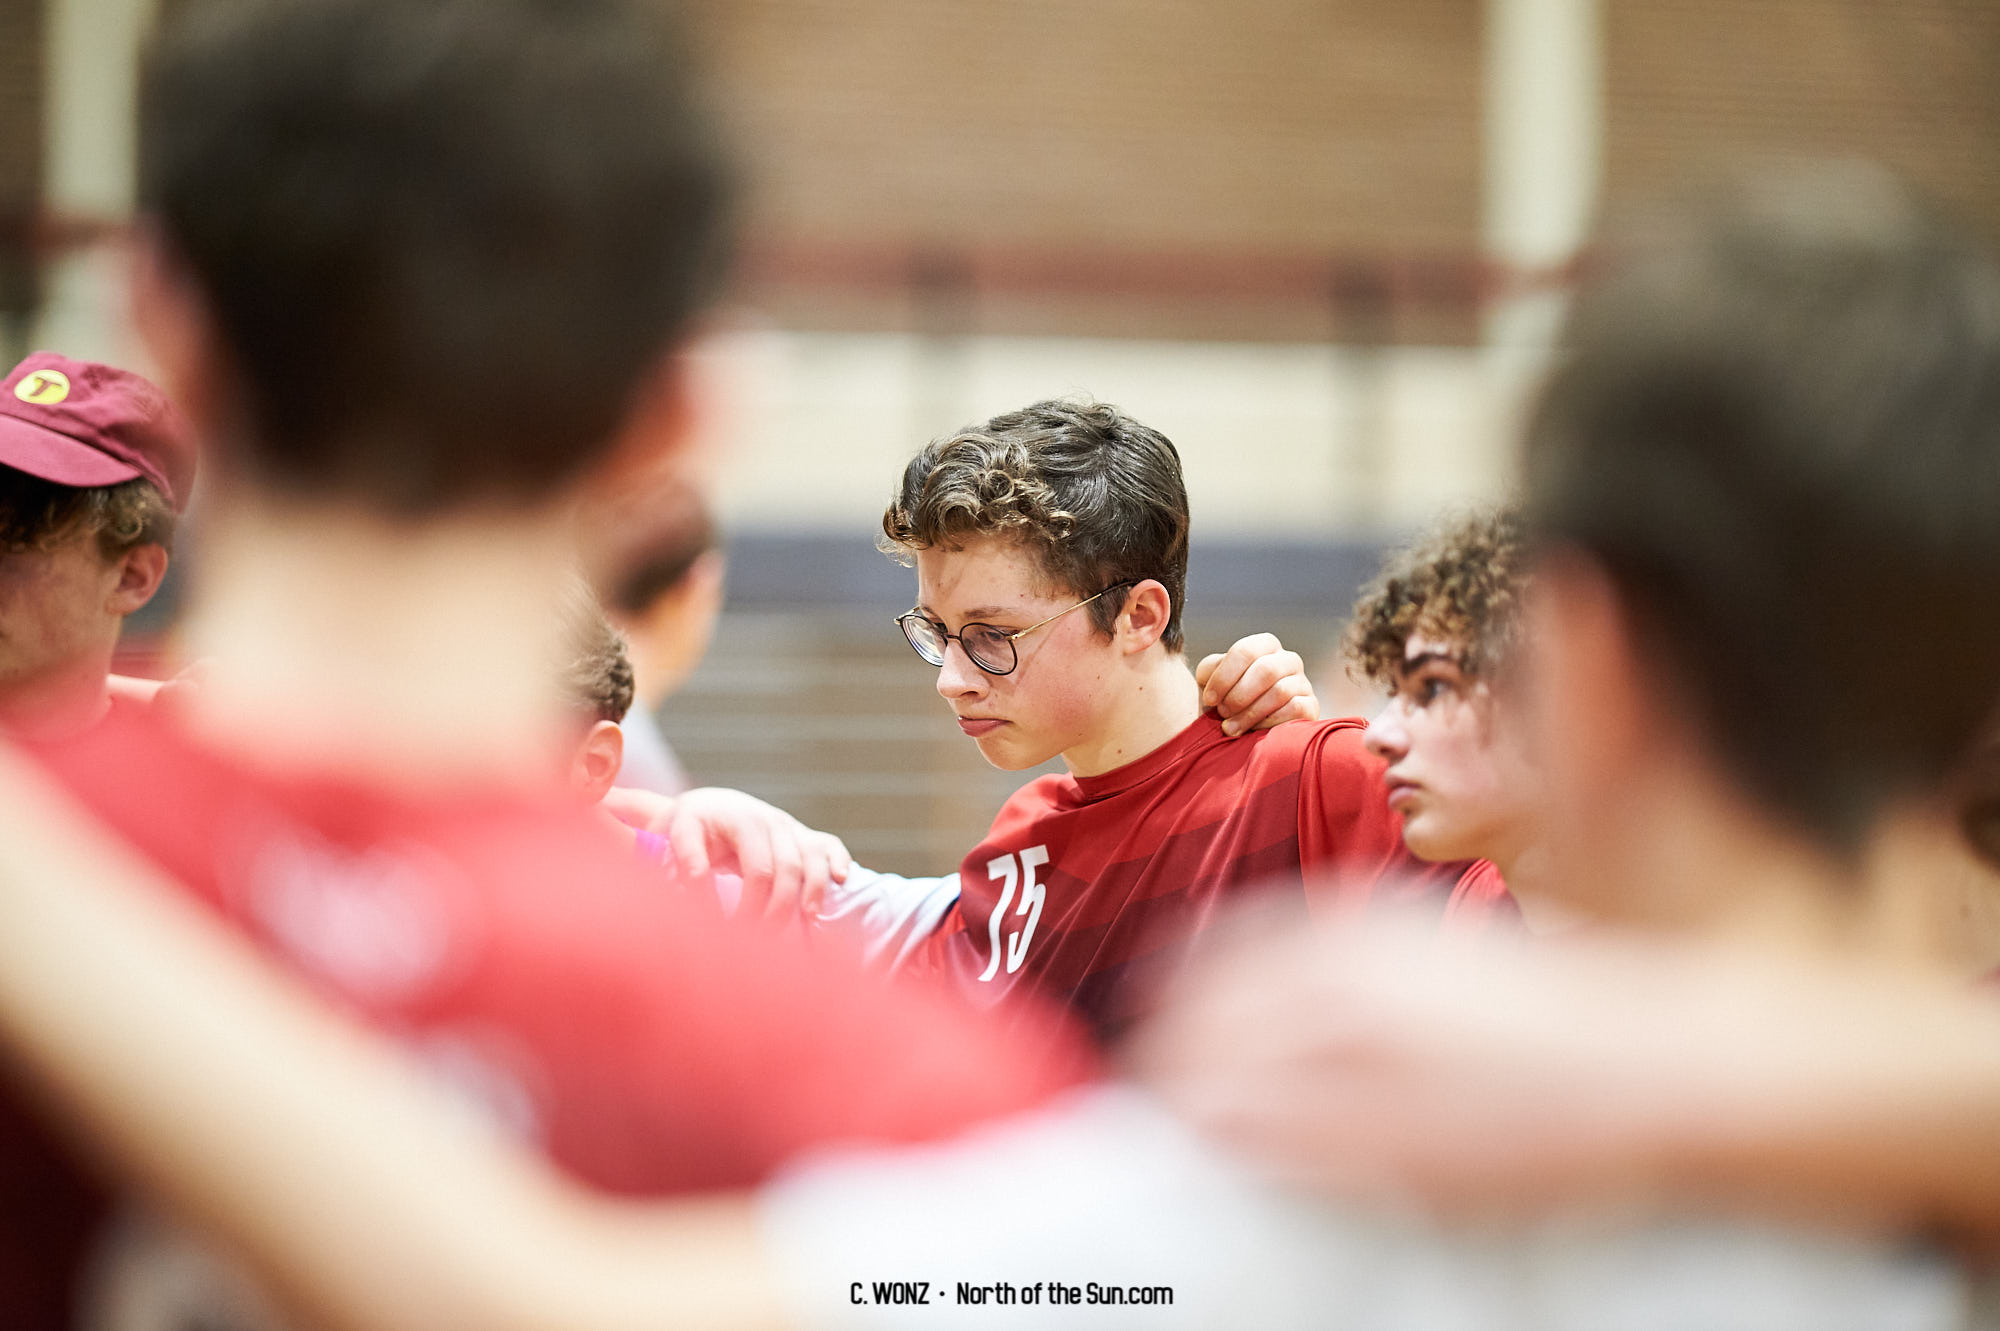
140	572
598	758
1144	616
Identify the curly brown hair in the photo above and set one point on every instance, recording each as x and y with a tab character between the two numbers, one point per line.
1461	584
39	515
1096	496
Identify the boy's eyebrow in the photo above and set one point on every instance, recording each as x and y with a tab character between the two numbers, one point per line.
1422	659
975	614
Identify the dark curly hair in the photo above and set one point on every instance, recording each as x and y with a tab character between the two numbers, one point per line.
1096	496
1461	584
38	515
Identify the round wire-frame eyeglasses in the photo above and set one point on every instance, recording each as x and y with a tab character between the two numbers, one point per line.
983	644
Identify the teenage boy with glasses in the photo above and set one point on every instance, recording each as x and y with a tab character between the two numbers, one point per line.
1050	546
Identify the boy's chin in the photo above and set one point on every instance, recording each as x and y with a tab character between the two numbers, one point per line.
1433	839
1006	752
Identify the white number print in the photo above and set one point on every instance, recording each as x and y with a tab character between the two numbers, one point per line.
1018	871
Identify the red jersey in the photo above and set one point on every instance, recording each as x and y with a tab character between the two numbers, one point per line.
1481	901
1085	883
647	1045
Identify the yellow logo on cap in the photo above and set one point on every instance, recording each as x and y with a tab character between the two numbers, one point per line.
44	388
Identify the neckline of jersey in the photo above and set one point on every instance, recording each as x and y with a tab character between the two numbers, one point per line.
1205	730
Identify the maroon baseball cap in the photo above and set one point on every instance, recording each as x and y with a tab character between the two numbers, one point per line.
79	423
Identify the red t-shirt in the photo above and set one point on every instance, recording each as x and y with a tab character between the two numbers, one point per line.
1086	884
1481	901
644	1043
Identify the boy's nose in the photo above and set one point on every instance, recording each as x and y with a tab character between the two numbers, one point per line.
958	677
1385	736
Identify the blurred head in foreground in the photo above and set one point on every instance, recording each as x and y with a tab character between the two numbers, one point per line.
664	589
1438	631
420	273
1766	482
440	279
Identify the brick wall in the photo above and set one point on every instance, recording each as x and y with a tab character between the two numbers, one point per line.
1265	124
1697	86
1180	167
1098	167
1158	166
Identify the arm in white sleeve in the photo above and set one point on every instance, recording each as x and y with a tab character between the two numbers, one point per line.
885	915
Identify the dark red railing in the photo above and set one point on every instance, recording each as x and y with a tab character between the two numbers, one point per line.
1354	283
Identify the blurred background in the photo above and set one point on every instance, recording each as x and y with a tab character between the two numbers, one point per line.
1322	244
